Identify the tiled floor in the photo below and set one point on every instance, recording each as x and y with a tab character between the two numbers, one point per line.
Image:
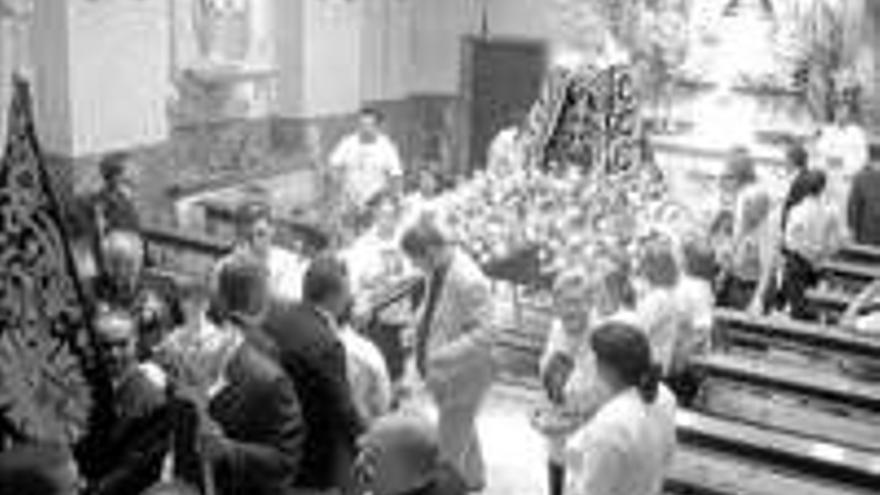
515	453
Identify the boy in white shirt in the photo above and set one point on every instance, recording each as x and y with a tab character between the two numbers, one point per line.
366	164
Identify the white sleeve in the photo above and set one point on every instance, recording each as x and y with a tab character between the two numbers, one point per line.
341	154
594	464
391	159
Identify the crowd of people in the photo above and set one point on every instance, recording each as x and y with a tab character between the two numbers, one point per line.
297	375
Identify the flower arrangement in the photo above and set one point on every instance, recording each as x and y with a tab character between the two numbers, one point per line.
565	216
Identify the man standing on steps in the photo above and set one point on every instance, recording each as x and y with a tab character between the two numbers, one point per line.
453	344
366	164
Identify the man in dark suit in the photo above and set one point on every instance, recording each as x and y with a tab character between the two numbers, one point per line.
131	428
250	425
310	351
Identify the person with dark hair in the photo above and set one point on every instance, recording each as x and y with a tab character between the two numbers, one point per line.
812	233
365	165
400	455
628	446
453	343
311	352
249	422
863	210
113	205
39	470
797	159
255	234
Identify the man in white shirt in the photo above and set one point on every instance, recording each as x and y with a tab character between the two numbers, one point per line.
255	233
366	164
842	149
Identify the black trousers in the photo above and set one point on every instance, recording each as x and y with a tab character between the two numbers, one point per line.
556	478
799	275
388	339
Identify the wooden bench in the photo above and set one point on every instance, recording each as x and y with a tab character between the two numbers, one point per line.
734	328
790	452
830	304
796	399
847	275
859	253
702	472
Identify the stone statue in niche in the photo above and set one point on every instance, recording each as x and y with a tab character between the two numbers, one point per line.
222	30
221	83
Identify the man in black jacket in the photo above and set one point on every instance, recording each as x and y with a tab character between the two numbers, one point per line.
312	354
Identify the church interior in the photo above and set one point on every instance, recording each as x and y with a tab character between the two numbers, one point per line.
403	247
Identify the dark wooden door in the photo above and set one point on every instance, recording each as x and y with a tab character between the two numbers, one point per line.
501	77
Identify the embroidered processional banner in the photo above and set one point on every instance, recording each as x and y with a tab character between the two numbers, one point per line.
588	118
43	339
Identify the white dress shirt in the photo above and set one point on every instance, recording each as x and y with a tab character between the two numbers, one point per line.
660	316
286	272
366	167
813	229
626	449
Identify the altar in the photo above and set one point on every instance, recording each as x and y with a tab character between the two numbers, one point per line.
737	86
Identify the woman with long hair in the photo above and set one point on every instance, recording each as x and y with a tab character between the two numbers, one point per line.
628	446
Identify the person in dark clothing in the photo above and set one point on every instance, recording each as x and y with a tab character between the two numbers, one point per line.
400	455
250	426
863	213
798	160
39	469
113	205
131	431
311	352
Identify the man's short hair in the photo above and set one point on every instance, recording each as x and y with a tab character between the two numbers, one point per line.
325	277
797	155
241	288
421	237
249	213
372	112
815	182
112	166
34	469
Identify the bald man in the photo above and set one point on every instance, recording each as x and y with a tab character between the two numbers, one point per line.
131	430
152	300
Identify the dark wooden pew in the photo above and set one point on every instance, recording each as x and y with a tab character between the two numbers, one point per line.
859	253
848	276
702	472
792	453
735	328
830	304
804	400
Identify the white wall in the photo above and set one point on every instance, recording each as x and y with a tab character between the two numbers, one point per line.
52	100
521	18
386	49
119	75
332	59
